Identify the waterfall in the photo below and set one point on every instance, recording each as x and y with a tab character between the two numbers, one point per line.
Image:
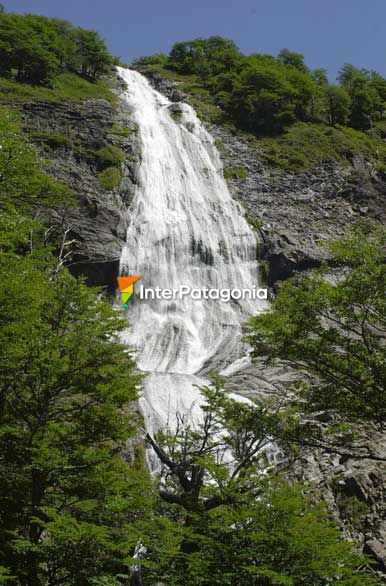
184	229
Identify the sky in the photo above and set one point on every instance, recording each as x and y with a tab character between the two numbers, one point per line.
328	32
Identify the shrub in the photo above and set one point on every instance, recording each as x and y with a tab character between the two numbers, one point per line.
110	155
52	140
110	178
235	173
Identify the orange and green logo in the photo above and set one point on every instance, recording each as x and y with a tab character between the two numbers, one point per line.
126	287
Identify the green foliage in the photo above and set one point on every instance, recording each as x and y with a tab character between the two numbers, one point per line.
334	329
254	222
221	525
156	59
305	145
367	91
110	159
68	499
66	383
110	178
121	131
51	140
220	146
66	86
267	95
235	173
204	57
23	184
34	49
338	105
110	156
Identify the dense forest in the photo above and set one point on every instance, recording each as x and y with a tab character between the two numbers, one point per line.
266	94
297	116
77	504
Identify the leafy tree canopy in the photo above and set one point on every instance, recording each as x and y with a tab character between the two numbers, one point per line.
334	327
34	49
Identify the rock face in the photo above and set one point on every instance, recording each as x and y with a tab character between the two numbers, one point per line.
70	134
297	212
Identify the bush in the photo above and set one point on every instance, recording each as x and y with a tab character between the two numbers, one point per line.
235	173
110	156
305	145
110	178
52	140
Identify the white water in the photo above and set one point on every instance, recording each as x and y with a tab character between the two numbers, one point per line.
184	229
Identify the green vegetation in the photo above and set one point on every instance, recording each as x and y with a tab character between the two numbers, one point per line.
72	508
23	182
280	101
335	329
34	49
110	155
110	158
49	59
121	131
238	525
305	145
220	146
235	173
76	499
51	140
110	177
66	383
254	222
66	86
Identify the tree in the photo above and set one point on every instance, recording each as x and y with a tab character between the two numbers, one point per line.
34	49
294	59
338	105
93	57
67	495
333	329
367	105
263	100
225	518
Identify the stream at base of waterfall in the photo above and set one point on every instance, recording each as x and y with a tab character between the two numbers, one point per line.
184	230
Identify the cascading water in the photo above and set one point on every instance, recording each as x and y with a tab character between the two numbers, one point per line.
184	229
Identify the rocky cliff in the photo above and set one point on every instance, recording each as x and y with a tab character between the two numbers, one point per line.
70	135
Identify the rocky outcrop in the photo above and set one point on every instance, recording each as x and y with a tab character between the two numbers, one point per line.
69	135
298	212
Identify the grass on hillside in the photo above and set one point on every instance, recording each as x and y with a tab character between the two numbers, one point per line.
66	86
304	146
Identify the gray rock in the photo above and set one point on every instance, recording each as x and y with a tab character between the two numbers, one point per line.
98	225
